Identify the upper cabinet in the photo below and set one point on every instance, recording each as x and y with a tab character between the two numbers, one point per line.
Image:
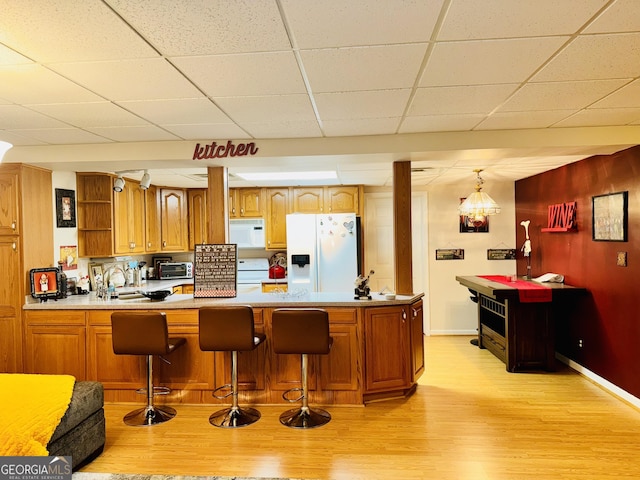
95	214
198	219
277	200
334	199
9	221
174	224
152	220
129	219
246	202
308	200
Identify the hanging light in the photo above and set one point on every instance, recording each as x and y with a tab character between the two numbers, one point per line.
479	204
4	147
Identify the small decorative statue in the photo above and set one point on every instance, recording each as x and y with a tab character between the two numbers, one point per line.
526	248
363	292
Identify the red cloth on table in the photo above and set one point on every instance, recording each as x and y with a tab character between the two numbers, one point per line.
527	291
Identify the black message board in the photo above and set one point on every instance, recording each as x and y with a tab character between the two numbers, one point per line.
215	270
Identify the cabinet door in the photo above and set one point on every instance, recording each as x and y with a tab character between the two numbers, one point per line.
56	349
342	199
10	306
308	200
152	220
339	369
251	202
417	340
234	210
137	219
276	221
173	207
9	204
197	217
387	349
128	219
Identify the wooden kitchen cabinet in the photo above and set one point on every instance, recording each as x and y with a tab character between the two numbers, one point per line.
152	220
234	210
277	203
55	343
387	349
198	219
343	199
417	340
129	219
174	223
95	214
26	242
308	200
251	202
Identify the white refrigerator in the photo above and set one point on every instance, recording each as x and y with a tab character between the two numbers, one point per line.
322	252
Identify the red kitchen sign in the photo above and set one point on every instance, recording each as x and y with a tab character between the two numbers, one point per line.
214	150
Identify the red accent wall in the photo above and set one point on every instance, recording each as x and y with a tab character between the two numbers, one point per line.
607	320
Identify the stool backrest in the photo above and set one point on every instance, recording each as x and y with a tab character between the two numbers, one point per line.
226	328
139	333
300	330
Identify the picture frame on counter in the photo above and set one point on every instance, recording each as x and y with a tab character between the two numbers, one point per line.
45	283
215	270
96	275
65	208
609	217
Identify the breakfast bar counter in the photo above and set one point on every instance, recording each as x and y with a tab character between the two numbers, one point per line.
377	352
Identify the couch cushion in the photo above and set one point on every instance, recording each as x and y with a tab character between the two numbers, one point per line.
87	398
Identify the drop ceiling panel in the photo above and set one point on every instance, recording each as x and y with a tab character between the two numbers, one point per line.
363	68
456	100
601	116
293	129
516	120
96	114
621	16
244	75
69	31
488	61
205	27
440	123
338	23
276	108
364	104
144	133
559	95
14	117
595	57
207	131
472	19
177	111
627	96
62	136
362	126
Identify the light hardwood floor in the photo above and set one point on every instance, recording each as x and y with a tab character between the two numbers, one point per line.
468	420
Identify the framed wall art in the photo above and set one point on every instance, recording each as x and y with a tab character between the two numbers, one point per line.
609	217
65	208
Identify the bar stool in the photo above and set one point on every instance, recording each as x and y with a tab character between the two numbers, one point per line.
230	329
145	333
302	331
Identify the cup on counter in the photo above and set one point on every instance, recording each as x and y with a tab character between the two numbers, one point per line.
513	278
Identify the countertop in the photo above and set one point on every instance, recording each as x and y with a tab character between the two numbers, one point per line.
187	301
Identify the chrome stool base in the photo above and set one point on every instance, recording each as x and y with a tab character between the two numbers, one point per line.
234	417
305	418
146	416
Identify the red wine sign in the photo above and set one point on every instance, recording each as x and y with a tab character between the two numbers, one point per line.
214	150
561	217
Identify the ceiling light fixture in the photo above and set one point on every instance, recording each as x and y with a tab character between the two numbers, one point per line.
146	181
270	176
479	204
118	184
4	148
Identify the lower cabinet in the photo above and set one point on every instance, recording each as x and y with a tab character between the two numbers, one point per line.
417	340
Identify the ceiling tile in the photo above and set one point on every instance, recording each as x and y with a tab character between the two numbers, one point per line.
276	108
517	120
362	126
488	61
627	96
206	130
601	116
368	104
177	111
471	19
460	99
69	31
559	95
29	84
142	79
244	75
363	68
145	133
62	136
621	16
9	57
205	27
336	23
278	129
17	117
595	57
97	114
440	123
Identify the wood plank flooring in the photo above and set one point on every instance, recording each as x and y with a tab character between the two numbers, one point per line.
468	420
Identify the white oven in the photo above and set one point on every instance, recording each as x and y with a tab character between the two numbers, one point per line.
251	273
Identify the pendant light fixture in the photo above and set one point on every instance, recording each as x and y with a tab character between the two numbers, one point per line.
479	204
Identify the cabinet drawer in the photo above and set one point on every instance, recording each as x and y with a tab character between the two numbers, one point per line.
494	342
48	317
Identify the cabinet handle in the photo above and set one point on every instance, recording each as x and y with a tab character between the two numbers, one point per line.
415	312
242	211
149	245
14	246
404	315
14	224
164	243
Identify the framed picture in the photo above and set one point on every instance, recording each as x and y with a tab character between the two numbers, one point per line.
96	275
45	283
609	220
501	254
450	254
65	208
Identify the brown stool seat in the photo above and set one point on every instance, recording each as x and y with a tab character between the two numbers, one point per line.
230	329
302	331
145	333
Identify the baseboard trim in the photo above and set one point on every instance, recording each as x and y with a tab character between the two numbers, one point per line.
601	382
453	332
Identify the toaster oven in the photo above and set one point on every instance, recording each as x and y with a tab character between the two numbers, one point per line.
170	270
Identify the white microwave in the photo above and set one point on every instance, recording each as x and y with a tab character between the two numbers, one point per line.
247	232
